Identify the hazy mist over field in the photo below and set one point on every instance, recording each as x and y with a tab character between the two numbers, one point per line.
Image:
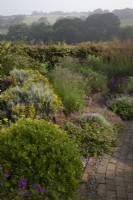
15	7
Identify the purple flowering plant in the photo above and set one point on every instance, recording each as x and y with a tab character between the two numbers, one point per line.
22	183
23	189
90	132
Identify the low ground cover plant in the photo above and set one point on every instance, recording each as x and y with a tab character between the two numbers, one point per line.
92	138
38	161
114	120
93	117
95	130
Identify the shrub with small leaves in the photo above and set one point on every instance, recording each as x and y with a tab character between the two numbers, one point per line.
130	85
38	160
30	94
123	106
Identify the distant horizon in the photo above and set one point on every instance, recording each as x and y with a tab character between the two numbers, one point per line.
47	12
26	7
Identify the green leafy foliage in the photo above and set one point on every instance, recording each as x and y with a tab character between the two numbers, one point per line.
123	106
12	56
96	81
17	56
38	152
96	63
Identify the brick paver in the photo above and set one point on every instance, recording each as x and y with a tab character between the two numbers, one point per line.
115	173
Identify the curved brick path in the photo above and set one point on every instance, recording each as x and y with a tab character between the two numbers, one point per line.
114	175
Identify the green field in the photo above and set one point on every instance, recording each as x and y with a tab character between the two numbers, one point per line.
51	18
3	31
127	22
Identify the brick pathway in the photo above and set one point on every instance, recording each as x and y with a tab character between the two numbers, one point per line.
114	175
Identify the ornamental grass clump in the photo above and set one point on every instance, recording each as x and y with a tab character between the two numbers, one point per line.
119	58
38	161
70	87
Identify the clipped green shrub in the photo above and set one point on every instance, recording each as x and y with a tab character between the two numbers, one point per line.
30	94
70	87
12	57
38	161
123	106
15	56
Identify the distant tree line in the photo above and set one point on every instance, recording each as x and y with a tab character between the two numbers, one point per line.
7	21
97	27
126	13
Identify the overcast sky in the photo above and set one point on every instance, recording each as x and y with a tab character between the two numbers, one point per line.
12	7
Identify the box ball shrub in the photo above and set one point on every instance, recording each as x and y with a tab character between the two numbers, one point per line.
36	152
